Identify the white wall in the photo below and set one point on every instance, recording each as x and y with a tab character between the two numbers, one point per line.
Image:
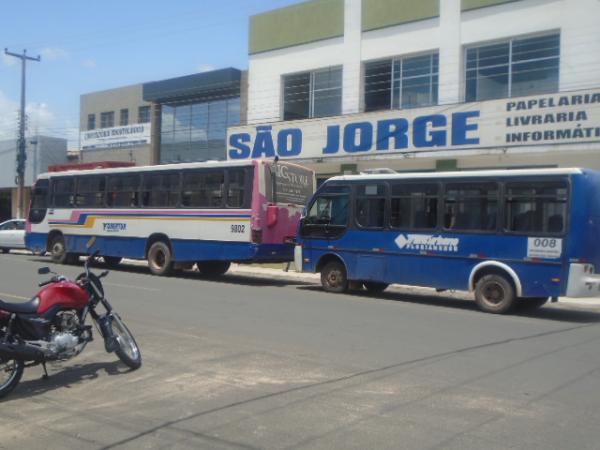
450	33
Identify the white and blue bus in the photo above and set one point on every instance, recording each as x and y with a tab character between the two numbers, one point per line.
511	236
210	214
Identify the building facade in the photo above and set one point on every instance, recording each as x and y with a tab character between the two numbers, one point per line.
42	151
349	85
115	126
179	119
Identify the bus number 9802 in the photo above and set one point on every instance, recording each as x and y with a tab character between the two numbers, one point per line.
238	228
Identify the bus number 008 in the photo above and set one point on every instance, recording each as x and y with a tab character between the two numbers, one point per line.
544	243
238	228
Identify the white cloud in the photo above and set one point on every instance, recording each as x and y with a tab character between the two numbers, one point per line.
53	53
89	63
40	119
206	68
8	117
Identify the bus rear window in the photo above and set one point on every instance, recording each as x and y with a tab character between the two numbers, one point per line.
536	207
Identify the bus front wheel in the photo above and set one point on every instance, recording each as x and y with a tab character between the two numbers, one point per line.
160	259
334	278
494	294
58	251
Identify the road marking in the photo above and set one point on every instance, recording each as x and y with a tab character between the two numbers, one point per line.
18	297
132	287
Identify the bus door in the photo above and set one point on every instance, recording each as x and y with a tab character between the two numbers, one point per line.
369	239
326	220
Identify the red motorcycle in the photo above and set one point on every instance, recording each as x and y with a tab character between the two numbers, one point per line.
52	326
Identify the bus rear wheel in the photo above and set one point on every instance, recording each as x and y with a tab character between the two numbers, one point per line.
494	294
375	287
213	268
160	259
334	278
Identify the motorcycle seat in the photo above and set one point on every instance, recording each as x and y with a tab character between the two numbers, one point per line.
29	307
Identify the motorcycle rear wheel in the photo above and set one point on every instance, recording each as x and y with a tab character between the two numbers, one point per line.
128	350
11	371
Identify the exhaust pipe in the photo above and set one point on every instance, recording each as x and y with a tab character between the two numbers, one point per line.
21	351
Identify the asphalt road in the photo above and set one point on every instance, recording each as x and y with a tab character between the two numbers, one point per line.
251	362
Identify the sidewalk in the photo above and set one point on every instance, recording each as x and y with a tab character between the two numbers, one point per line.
293	276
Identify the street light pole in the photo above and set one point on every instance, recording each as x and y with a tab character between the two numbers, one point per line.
21	154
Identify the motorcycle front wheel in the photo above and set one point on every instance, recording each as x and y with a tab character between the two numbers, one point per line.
128	350
11	371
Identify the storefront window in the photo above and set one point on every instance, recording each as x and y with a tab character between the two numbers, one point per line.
405	82
312	94
514	68
197	132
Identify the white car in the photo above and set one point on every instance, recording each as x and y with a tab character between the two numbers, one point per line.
12	235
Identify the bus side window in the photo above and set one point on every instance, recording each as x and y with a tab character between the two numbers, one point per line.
536	207
414	206
63	190
123	190
203	189
370	205
471	206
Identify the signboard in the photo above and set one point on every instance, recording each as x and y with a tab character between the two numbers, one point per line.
565	118
293	184
116	137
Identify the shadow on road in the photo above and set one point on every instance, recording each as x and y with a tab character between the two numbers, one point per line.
549	312
65	378
259	279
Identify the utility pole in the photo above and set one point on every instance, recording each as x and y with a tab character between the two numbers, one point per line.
21	154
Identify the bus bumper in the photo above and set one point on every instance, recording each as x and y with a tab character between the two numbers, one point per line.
583	282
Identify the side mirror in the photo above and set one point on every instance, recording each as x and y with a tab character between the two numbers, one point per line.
43	270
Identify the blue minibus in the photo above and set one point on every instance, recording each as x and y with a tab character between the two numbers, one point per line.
513	237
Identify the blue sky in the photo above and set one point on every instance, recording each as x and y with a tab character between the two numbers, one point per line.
87	47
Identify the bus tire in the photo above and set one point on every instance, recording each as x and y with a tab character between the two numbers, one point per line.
213	268
112	261
58	251
375	287
334	277
160	258
494	294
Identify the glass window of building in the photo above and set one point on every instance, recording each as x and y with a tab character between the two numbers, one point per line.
197	131
91	122
107	119
144	114
312	94
124	117
405	82
521	66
